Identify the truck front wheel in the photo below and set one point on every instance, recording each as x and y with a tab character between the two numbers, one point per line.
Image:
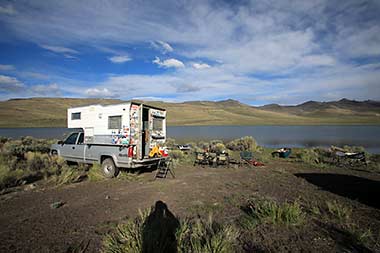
109	169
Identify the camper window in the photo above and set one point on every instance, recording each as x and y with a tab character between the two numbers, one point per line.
114	122
75	115
157	124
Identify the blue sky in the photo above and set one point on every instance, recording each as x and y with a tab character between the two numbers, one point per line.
258	52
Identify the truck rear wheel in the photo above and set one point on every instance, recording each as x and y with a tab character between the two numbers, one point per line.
109	169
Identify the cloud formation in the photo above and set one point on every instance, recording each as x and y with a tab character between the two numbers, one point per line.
6	67
201	66
260	51
120	58
10	84
164	47
169	63
7	9
98	92
65	51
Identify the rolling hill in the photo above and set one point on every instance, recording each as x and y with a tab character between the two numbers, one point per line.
51	112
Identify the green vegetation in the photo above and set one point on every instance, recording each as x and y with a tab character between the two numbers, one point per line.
128	236
51	112
269	211
27	160
339	211
190	235
206	237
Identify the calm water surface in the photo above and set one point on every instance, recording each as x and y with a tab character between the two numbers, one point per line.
269	136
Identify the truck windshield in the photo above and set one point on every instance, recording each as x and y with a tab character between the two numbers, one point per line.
71	139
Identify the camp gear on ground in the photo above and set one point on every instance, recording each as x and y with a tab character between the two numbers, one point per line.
211	158
246	157
283	152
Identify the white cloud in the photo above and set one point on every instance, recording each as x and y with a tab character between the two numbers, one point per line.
164	47
250	41
98	92
7	10
45	90
35	75
169	63
58	49
65	51
10	84
120	58
6	67
318	60
201	66
13	86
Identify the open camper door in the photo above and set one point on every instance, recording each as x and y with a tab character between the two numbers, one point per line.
135	129
140	153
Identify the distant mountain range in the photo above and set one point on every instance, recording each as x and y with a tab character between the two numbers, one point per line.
51	112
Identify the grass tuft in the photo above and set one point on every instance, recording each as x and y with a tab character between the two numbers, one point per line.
128	236
196	236
268	211
339	211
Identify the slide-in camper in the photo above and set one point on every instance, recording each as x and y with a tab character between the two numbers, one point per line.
121	135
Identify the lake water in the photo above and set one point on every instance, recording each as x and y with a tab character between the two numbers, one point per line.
269	136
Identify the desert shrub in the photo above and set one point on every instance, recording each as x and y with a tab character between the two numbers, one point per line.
339	211
196	236
69	175
170	143
210	236
203	145
4	139
95	173
268	211
214	142
35	161
177	154
309	156
128	236
10	178
27	144
129	176
218	147
243	144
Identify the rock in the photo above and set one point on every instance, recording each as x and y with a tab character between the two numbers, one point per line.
30	187
108	197
56	205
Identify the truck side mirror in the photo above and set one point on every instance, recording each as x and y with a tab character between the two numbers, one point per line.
60	142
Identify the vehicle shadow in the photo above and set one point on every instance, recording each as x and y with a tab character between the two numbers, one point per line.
364	190
159	230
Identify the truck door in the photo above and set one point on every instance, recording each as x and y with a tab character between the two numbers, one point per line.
70	150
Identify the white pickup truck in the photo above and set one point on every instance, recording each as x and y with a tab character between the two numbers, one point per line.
116	136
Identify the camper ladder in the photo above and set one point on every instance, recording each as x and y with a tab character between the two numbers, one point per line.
164	166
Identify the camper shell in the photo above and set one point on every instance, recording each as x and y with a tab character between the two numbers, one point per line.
125	133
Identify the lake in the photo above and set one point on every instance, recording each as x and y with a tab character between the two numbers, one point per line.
269	136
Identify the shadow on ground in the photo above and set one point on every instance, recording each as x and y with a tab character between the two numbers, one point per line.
361	189
159	230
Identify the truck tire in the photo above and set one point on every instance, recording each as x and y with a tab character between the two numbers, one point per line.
109	169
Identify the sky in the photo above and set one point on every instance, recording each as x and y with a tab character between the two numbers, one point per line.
257	52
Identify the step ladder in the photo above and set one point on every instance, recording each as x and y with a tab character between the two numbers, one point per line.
163	167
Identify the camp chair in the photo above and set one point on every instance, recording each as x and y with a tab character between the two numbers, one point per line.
246	157
201	158
223	159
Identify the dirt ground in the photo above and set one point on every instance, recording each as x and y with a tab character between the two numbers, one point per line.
28	223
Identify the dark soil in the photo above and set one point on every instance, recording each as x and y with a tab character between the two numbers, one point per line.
29	223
